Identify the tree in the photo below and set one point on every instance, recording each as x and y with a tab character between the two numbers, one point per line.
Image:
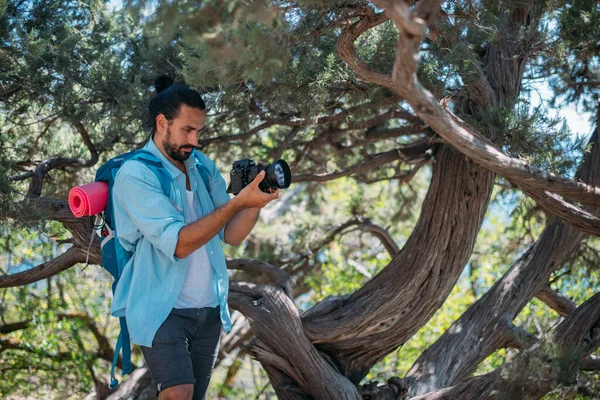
376	92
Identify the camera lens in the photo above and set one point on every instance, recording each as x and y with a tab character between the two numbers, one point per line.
278	176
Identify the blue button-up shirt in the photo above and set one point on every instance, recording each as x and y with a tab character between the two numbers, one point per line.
148	224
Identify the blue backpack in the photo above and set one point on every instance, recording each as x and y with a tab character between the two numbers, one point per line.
114	256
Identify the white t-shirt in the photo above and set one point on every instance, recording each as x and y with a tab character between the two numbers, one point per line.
200	286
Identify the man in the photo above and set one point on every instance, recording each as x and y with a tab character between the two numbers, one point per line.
174	290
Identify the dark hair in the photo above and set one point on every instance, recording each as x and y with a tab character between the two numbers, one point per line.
169	98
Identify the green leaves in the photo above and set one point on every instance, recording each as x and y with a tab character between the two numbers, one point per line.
544	142
273	65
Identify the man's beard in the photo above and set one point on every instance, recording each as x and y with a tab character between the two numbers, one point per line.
174	151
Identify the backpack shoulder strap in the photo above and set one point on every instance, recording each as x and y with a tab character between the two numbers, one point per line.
157	167
123	343
202	169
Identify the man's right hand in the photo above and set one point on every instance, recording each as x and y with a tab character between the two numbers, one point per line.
252	197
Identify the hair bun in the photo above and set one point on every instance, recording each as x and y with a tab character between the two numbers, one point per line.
162	82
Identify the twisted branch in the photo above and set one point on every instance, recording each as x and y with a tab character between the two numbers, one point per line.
412	26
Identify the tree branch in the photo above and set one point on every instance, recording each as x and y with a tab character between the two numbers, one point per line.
251	290
537	370
15	344
85	136
15	326
519	338
58	210
296	122
44	270
361	330
104	348
278	152
381	134
402	177
586	83
139	382
382	234
345	49
410	153
242	136
575	216
35	187
276	275
412	26
279	334
557	301
486	154
361	223
6	93
232	372
592	363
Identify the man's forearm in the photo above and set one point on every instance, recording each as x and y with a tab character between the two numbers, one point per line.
240	226
244	208
198	233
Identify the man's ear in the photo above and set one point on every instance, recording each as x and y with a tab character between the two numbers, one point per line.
161	123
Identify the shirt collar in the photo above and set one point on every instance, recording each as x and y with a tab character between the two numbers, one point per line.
173	170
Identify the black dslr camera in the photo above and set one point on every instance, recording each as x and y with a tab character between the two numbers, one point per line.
278	175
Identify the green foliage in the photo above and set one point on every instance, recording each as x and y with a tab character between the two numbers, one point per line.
578	22
374	47
55	357
545	143
63	63
574	59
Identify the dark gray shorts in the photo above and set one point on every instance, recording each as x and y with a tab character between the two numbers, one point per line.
185	348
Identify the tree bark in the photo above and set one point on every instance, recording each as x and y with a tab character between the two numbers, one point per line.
281	343
44	270
487	325
359	331
138	386
391	307
555	300
541	368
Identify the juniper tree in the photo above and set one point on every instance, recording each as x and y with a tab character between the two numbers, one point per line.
372	92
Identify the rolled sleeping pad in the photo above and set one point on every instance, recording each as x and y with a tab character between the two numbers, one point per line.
88	200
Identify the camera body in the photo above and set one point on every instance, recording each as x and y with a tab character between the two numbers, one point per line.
277	175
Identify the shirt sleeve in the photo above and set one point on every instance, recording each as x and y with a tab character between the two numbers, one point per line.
138	193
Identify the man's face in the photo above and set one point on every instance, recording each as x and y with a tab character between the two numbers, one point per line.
181	136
